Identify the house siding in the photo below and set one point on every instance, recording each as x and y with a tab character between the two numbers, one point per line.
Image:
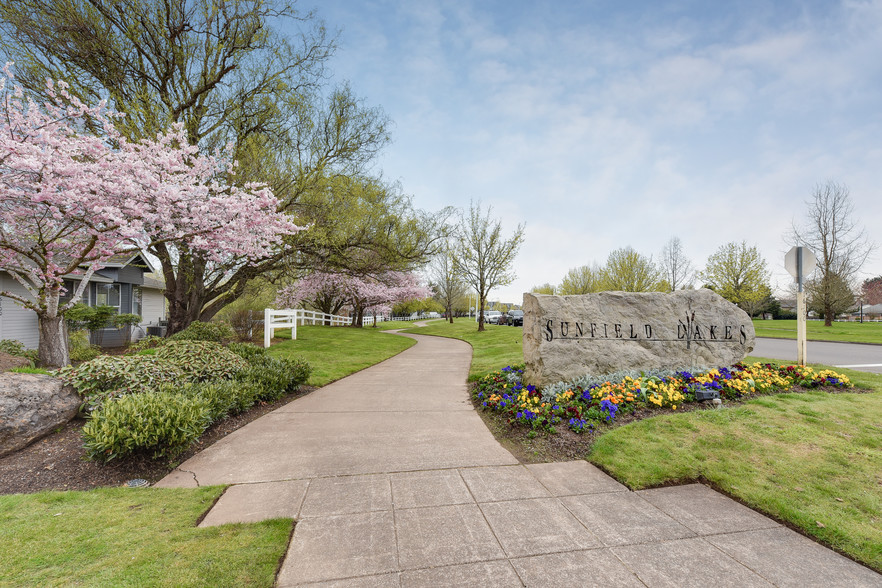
130	275
16	322
153	306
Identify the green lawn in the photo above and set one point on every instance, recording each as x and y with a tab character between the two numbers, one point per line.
492	349
336	352
132	537
813	460
816	331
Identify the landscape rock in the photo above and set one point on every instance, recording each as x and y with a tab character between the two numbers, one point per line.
566	337
31	406
8	362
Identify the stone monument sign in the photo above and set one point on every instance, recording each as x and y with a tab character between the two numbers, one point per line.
569	336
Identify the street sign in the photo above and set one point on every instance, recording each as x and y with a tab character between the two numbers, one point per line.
800	267
800	262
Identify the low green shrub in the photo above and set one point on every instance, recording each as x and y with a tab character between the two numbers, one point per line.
109	376
198	331
224	397
201	360
17	348
275	377
247	351
161	424
144	343
79	347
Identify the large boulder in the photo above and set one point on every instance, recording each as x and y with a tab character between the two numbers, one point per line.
31	406
569	336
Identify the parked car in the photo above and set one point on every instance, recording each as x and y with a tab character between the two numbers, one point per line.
492	316
514	318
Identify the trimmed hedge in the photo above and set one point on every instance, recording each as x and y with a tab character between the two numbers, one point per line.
160	403
275	377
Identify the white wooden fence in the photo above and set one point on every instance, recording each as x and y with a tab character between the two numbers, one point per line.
290	318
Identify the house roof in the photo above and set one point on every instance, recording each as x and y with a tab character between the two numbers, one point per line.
129	258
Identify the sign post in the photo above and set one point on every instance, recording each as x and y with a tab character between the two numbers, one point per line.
800	262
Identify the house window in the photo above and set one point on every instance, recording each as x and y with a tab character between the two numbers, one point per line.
70	286
107	294
136	300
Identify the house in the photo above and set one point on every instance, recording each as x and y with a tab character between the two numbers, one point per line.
124	283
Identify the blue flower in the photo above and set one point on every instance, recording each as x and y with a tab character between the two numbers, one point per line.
609	408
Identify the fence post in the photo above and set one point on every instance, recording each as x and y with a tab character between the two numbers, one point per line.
294	326
267	327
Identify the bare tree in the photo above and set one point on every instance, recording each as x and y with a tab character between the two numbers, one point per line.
677	269
448	286
841	247
832	293
482	255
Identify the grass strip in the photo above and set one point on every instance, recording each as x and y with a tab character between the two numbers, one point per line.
497	347
132	537
336	352
812	459
850	332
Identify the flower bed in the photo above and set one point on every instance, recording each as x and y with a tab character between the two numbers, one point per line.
582	404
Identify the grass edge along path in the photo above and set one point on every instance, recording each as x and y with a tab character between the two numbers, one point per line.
148	537
336	352
838	332
496	347
812	460
133	537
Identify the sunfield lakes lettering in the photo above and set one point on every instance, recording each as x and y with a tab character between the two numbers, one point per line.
687	331
566	337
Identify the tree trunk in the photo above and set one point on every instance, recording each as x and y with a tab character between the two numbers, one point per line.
480	310
828	316
52	350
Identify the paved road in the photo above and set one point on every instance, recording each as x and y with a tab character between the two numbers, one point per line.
395	481
866	358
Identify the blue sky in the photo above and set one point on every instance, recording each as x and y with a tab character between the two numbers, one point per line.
602	124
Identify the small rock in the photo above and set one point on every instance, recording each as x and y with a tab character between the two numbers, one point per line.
821	525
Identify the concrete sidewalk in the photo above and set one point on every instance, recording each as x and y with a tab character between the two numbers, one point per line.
395	481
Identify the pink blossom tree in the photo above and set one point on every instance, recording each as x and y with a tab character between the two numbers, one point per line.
322	291
70	198
330	293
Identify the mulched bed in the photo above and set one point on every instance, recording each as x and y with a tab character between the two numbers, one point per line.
57	462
